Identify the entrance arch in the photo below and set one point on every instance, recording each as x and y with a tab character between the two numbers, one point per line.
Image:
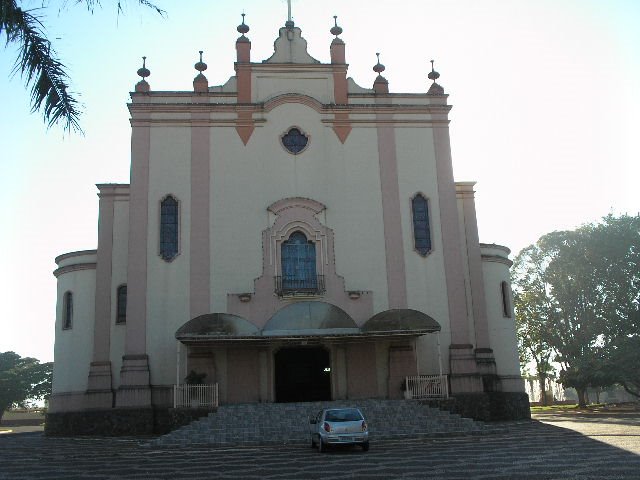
302	374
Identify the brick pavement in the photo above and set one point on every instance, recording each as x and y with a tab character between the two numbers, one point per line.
529	450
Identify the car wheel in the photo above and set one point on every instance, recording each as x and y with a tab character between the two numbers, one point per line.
321	446
365	446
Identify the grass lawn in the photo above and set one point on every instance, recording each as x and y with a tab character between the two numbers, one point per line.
593	407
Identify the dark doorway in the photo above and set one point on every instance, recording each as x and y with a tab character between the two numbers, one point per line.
303	374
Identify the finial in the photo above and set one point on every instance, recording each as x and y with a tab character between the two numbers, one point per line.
335	30
144	71
243	28
378	67
433	75
200	66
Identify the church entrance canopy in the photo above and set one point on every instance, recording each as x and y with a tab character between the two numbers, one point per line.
304	320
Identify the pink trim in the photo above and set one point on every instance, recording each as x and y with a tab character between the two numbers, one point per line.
102	326
136	336
450	229
243	73
337	51
243	50
342	126
391	212
297	214
245	125
199	257
474	258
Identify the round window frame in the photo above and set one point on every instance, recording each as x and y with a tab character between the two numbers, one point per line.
286	132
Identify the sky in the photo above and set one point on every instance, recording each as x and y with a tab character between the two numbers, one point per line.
545	95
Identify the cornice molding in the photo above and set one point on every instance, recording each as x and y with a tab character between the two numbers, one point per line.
78	253
73	268
497	259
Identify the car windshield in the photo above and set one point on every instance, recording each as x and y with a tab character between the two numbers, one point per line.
345	415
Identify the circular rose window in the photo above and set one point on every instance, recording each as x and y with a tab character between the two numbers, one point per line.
294	141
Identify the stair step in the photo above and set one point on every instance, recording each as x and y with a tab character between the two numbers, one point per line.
287	423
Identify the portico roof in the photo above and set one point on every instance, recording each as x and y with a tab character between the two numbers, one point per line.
311	320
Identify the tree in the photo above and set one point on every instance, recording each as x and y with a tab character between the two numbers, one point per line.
22	379
38	63
533	315
579	293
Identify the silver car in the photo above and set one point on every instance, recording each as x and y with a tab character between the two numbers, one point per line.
339	426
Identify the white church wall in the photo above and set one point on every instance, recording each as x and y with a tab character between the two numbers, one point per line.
354	206
167	282
502	332
73	348
426	286
316	84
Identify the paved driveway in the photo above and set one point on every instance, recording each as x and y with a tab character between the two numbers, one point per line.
608	448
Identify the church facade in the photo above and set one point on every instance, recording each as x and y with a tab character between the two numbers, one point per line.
288	236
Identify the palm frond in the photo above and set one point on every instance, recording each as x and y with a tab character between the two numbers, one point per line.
93	4
39	66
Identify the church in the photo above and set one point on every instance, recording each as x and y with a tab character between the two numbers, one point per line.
288	236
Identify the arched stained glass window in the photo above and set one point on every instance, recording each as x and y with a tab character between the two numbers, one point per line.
67	310
299	264
121	314
169	228
421	227
295	141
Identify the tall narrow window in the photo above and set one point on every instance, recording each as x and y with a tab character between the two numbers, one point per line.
67	310
121	308
169	228
421	227
299	264
506	299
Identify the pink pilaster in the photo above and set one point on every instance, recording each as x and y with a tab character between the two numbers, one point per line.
200	274
391	212
464	375
99	383
134	387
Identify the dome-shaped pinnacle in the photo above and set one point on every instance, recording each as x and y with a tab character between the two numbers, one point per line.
200	66
335	30
378	67
433	75
434	89
144	71
243	27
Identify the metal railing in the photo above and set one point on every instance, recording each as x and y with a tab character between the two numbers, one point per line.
426	386
195	396
290	285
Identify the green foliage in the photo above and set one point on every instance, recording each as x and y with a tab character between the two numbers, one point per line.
577	301
22	379
38	64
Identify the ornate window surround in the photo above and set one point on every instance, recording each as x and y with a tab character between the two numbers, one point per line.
293	215
179	233
430	219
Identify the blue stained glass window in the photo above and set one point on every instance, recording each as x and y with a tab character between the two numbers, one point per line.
421	227
169	228
299	263
295	141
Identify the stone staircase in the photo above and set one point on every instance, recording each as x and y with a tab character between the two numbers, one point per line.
288	423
